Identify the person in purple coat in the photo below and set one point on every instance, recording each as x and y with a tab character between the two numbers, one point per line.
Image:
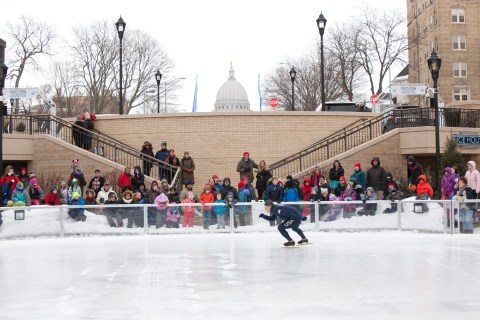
448	184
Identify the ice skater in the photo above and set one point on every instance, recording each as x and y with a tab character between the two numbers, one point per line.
291	216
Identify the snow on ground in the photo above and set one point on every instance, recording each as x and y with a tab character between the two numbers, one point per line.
380	275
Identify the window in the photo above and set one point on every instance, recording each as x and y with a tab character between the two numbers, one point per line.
458	15
461	94
460	70
459	43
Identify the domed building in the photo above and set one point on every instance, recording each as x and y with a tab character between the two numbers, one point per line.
232	96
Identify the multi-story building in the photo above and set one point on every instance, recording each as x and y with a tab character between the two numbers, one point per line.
451	27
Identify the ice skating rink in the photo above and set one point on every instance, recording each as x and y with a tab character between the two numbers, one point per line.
384	275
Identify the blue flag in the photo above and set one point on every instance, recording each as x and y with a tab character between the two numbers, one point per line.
260	92
194	108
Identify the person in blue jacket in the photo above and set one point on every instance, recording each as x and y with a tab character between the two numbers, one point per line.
291	216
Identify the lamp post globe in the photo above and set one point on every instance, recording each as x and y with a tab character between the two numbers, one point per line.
321	23
121	29
293	75
158	77
434	64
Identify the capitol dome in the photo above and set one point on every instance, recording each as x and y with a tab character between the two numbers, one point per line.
232	96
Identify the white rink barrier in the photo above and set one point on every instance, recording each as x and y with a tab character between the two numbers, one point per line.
136	219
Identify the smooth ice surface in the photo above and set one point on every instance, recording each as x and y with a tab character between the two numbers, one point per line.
386	275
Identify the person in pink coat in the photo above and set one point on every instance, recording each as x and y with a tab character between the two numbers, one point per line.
473	178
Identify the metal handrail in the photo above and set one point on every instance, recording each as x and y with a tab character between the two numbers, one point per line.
96	142
353	136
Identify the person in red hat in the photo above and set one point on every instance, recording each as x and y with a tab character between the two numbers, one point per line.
342	185
245	167
358	175
23	176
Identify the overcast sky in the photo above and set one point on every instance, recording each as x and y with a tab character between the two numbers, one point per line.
203	37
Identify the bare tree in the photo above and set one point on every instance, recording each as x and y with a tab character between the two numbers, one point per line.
68	93
348	70
381	43
31	40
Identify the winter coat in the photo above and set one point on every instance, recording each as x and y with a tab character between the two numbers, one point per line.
306	189
173	214
80	178
173	161
245	168
397	196
415	170
124	180
151	194
138	177
184	193
283	212
339	189
314	179
219	210
335	173
473	177
35	193
348	195
96	184
173	197
188	167
463	194
424	187
53	199
359	177
162	155
226	189
21	195
207	198
376	176
13	180
102	195
448	182
147	151
274	193
263	176
72	189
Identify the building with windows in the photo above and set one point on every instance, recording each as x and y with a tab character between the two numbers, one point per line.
451	27
232	96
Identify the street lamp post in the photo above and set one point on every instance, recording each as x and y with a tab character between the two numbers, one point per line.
158	77
3	76
434	64
293	74
121	29
321	22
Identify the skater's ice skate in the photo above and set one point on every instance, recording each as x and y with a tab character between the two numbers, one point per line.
303	241
289	243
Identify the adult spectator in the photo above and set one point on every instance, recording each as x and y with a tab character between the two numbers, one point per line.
188	167
153	192
228	188
415	170
358	176
23	176
102	195
274	191
315	178
342	185
376	178
263	178
291	191
147	149
245	167
125	180
188	188
8	182
97	182
172	160
138	178
162	155
88	126
473	178
335	173
77	132
322	183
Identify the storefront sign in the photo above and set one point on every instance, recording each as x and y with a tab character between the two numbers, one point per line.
407	89
467	139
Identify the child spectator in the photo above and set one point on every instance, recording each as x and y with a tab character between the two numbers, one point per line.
79	177
53	197
274	192
348	195
290	191
393	195
138	211
35	192
330	211
306	189
390	182
370	208
114	218
342	184
207	197
173	195
20	197
315	178
8	182
358	175
173	215
188	211
448	184
23	176
90	197
466	209
142	189
63	193
74	187
162	206
424	191
323	184
220	211
77	214
126	211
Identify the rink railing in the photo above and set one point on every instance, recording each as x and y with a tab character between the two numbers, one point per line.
432	216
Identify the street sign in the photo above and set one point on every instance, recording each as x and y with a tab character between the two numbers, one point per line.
274	103
374	99
407	89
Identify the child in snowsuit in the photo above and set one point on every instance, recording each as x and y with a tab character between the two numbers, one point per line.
53	197
162	206
188	211
393	195
20	197
173	215
348	195
220	211
424	191
207	197
292	218
448	184
35	192
370	208
77	214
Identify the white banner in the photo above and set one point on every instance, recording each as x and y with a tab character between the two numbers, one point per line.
19	93
407	88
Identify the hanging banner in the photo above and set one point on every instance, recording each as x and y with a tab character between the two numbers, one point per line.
20	93
405	89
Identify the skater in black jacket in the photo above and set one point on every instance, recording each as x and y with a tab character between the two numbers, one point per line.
291	216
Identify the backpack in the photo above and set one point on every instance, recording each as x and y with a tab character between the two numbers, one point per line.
244	195
290	195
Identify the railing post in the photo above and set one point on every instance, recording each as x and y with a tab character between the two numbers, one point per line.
300	161
345	141
145	220
317	218
370	128
399	215
62	232
30	125
232	220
